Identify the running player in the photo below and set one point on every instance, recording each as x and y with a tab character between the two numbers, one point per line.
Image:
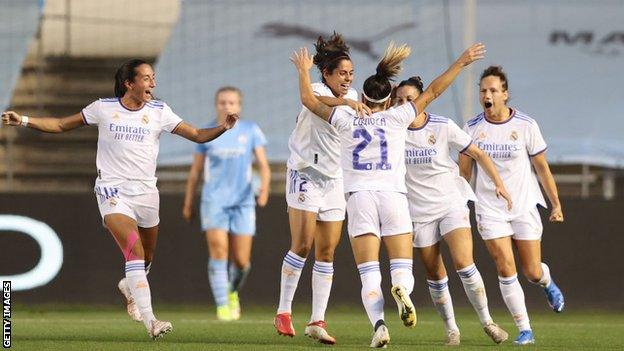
514	142
227	205
129	129
314	191
437	198
372	152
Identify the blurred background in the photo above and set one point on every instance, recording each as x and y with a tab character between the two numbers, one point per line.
564	62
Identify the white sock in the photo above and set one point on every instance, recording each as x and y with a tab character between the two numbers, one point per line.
545	279
475	290
291	271
136	280
514	299
441	297
402	274
372	296
322	277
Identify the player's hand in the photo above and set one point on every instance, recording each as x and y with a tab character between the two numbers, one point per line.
502	192
472	54
556	215
230	121
10	118
187	213
360	108
302	59
263	197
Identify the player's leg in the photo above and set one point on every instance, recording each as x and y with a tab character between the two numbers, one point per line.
459	241
217	242
241	240
302	200
126	233
528	236
502	252
326	239
437	281
400	252
366	253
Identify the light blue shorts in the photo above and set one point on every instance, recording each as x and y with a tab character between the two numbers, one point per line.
237	220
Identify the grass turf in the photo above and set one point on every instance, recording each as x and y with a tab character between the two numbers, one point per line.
195	328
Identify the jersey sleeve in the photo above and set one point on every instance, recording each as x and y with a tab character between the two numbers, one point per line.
458	139
339	118
404	114
169	120
320	89
535	142
91	113
258	137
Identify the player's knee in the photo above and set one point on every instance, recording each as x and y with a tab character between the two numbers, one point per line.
438	274
533	272
240	262
325	254
301	248
218	252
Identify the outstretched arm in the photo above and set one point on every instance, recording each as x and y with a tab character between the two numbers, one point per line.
303	62
265	175
205	135
488	166
44	124
439	85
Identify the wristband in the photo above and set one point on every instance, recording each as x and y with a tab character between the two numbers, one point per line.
24	122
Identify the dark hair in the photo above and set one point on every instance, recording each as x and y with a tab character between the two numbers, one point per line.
127	71
415	82
329	53
232	89
378	86
496	71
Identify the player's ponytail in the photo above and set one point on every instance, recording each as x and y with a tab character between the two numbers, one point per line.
377	88
329	53
126	72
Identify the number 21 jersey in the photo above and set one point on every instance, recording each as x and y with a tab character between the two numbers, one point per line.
373	148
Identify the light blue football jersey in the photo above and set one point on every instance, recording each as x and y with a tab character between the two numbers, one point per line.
227	169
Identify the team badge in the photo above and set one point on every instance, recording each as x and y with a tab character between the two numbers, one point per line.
301	197
432	139
145	119
242	139
514	135
482	135
113	202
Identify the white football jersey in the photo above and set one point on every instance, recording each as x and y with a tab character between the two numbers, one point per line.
313	142
434	185
128	141
372	148
510	144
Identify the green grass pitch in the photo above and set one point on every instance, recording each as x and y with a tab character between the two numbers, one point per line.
195	328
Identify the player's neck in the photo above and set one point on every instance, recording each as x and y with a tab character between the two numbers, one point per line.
131	103
498	116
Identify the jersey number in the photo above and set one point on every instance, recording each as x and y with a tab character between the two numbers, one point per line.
383	144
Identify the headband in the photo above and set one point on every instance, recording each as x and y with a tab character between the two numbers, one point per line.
376	101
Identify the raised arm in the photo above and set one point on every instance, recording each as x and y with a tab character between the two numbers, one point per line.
359	107
439	85
205	135
44	124
303	61
550	187
191	185
488	166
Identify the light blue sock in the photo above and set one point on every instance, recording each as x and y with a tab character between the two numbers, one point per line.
218	277
238	276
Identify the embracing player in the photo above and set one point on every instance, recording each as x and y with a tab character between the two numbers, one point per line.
514	142
438	199
129	129
372	159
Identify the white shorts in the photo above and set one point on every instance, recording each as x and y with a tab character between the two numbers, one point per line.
309	190
383	213
429	233
525	227
142	208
